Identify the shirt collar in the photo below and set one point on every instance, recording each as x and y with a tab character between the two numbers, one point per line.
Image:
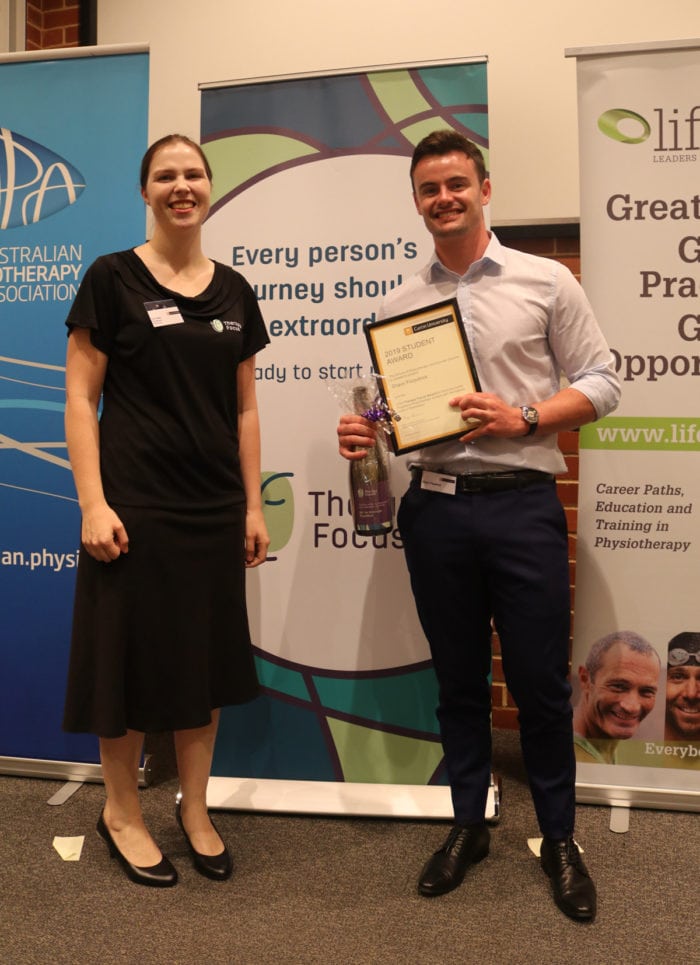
495	253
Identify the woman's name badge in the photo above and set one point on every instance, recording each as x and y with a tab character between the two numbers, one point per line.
163	313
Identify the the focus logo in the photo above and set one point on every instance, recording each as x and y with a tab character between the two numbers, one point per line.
673	132
278	508
34	181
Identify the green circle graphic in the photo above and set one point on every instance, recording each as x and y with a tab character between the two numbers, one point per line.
278	507
608	123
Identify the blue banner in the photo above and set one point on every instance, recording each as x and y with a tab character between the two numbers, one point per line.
72	133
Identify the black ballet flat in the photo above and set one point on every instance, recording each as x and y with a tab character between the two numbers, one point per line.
161	875
218	867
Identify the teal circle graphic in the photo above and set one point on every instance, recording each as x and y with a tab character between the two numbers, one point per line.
609	121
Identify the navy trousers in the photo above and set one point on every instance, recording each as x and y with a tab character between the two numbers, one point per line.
501	558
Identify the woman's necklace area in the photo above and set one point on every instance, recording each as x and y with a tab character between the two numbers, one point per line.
189	279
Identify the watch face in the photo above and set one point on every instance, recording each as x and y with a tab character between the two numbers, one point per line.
530	415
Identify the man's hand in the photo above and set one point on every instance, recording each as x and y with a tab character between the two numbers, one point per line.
486	414
355	436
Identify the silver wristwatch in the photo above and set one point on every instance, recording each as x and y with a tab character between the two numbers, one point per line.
531	416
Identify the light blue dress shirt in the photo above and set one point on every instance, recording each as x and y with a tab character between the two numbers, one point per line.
531	330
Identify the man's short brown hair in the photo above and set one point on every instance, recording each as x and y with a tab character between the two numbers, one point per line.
445	142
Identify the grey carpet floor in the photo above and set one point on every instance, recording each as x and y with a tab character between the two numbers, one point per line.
339	890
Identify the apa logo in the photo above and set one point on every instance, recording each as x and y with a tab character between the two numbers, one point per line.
35	182
278	508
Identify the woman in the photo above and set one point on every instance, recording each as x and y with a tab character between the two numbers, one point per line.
168	484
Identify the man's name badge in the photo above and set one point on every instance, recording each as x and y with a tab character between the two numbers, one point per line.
163	313
438	482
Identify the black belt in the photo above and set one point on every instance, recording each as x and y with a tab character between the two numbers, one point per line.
491	482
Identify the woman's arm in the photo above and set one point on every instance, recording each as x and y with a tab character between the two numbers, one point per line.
257	539
103	534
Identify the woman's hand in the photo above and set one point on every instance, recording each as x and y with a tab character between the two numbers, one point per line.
103	534
256	538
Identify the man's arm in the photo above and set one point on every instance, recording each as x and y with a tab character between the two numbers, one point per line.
568	409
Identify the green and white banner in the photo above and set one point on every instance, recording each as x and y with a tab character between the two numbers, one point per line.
313	205
638	551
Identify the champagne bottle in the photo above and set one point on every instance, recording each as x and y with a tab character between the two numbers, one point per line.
370	493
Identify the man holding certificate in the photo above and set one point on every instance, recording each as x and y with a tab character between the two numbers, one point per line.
484	532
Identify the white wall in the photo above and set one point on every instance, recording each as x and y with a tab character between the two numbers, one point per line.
532	86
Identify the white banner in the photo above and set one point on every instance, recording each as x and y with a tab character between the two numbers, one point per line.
637	718
313	205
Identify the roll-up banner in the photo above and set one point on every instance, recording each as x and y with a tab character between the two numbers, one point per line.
73	128
312	203
636	654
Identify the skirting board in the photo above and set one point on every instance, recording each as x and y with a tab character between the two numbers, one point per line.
64	770
339	798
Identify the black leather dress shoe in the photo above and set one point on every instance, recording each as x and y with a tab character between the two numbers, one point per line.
447	867
218	867
161	875
574	892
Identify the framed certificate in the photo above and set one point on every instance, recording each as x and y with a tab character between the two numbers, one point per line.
423	360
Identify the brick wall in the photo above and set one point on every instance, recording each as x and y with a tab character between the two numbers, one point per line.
52	23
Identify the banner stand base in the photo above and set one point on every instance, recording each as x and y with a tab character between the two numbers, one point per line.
67	791
665	799
619	819
335	798
71	771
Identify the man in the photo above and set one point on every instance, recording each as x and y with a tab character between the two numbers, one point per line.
683	688
492	545
619	682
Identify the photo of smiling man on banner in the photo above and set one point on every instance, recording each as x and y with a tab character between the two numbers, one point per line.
619	683
683	688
